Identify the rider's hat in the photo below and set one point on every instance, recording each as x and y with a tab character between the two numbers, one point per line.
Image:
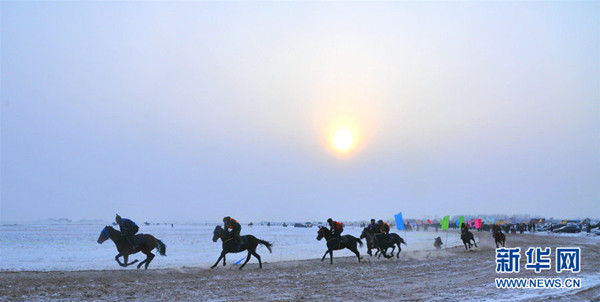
226	218
329	220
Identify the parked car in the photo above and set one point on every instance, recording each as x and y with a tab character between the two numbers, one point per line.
571	228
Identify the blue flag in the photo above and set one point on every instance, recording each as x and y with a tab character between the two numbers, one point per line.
399	221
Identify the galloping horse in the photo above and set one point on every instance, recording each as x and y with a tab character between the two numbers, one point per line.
371	241
499	237
466	238
230	245
125	249
335	243
390	240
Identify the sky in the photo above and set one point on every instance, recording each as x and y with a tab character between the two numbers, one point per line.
191	111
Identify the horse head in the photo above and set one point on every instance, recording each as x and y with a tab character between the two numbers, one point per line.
364	233
323	232
218	233
104	234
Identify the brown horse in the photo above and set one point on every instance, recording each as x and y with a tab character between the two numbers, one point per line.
499	237
335	243
125	249
231	245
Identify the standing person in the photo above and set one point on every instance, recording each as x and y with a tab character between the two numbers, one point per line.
236	228
128	229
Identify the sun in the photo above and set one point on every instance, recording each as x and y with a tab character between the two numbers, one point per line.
343	139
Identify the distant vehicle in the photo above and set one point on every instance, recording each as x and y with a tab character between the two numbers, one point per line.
250	224
567	229
284	225
299	225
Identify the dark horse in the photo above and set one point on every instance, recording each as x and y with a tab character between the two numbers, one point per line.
499	237
125	249
371	241
334	243
466	238
230	245
386	241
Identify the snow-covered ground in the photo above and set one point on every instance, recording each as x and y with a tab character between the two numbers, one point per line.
72	246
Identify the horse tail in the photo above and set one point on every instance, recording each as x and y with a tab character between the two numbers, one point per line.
357	239
265	243
402	241
161	247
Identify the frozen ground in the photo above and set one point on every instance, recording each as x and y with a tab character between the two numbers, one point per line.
419	275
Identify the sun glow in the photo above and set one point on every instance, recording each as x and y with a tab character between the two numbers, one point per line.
343	140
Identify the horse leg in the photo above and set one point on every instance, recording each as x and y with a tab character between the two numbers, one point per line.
149	257
331	256
247	259
325	255
257	257
220	257
224	260
393	249
355	251
399	250
475	243
119	261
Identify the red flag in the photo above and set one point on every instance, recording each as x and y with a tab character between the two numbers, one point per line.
478	223
428	221
422	222
470	224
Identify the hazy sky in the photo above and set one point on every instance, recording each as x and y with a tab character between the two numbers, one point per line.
193	111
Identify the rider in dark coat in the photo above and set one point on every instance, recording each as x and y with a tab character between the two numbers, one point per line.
438	243
374	227
230	223
464	230
128	229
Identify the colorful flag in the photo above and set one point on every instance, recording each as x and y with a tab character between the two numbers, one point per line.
428	221
470	224
445	222
399	221
457	222
422	222
478	223
461	219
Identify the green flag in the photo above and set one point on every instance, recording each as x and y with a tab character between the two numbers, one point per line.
445	222
461	219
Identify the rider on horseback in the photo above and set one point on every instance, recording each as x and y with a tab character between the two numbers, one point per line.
384	230
374	227
336	227
128	229
384	227
230	223
464	229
